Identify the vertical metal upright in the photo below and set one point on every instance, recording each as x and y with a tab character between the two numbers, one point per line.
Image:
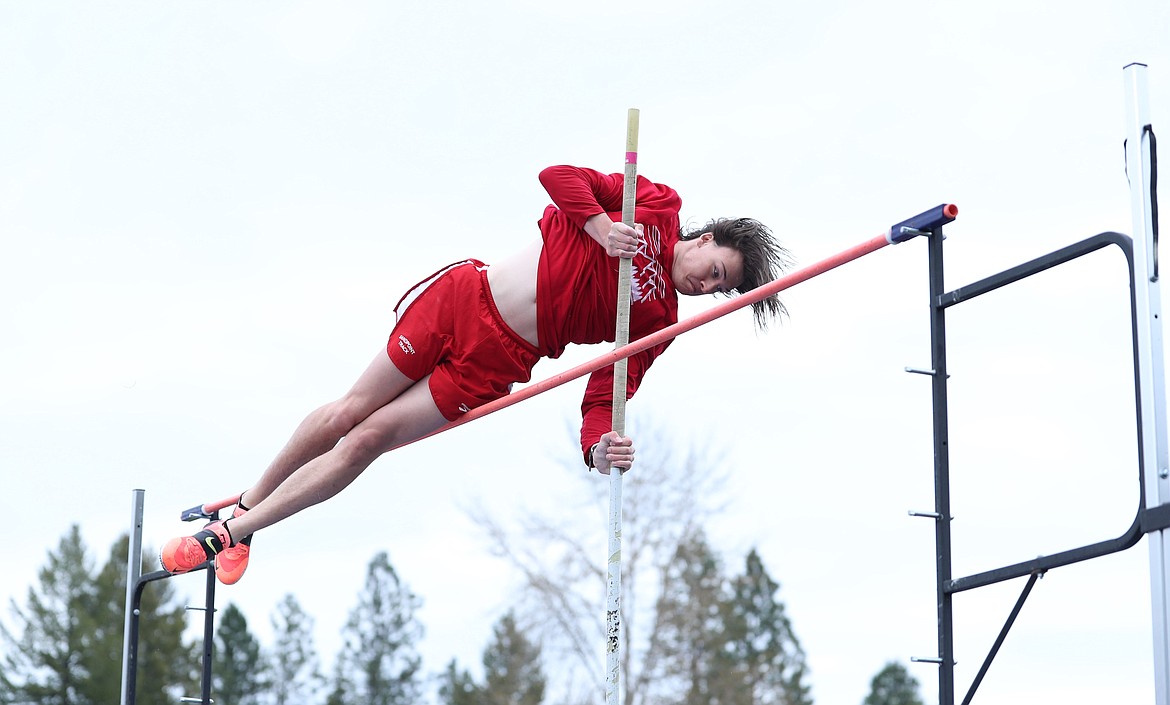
1141	169
133	573
942	481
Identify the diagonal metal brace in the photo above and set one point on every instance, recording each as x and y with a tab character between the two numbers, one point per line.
1002	635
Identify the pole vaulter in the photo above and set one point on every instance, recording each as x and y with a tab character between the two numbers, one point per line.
908	229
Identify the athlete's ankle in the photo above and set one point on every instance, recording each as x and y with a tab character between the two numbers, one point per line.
231	541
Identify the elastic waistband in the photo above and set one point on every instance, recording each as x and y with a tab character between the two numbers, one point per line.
499	320
416	291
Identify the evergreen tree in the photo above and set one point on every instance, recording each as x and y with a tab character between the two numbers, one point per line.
893	685
71	647
457	687
763	652
237	670
103	659
690	635
45	665
342	689
512	672
293	659
512	669
378	663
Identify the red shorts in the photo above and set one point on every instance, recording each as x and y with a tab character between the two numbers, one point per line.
448	326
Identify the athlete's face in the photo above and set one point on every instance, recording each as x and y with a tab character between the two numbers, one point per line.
702	267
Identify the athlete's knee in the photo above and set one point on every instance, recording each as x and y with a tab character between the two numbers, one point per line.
364	445
341	416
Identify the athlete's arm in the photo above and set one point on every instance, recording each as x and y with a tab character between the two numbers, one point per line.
618	239
587	197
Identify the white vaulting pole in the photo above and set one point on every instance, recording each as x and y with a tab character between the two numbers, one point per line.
613	592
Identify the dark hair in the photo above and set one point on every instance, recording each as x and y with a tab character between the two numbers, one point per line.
764	259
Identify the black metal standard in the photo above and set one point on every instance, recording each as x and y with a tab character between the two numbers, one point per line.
1144	522
131	689
942	481
208	634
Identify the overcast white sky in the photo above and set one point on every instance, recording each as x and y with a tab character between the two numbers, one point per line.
209	209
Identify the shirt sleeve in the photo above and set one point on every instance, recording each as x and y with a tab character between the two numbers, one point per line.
582	193
597	406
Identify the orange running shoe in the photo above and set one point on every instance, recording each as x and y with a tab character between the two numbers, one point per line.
186	553
231	563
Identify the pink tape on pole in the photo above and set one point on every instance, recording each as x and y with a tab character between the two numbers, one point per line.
785	282
631	157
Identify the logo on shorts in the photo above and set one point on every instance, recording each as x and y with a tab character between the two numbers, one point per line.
405	345
463	408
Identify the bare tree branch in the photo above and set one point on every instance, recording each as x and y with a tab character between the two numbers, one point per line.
673	488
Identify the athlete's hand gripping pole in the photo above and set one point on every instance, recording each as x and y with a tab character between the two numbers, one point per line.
613	591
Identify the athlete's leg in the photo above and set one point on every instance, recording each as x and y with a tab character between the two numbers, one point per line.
323	428
411	415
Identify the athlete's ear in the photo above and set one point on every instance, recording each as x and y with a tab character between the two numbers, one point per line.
706	237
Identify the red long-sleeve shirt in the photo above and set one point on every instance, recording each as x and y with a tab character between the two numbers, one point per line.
576	285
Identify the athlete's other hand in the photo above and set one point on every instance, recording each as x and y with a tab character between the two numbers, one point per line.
613	450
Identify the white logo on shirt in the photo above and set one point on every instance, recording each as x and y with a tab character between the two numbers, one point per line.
405	345
648	282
